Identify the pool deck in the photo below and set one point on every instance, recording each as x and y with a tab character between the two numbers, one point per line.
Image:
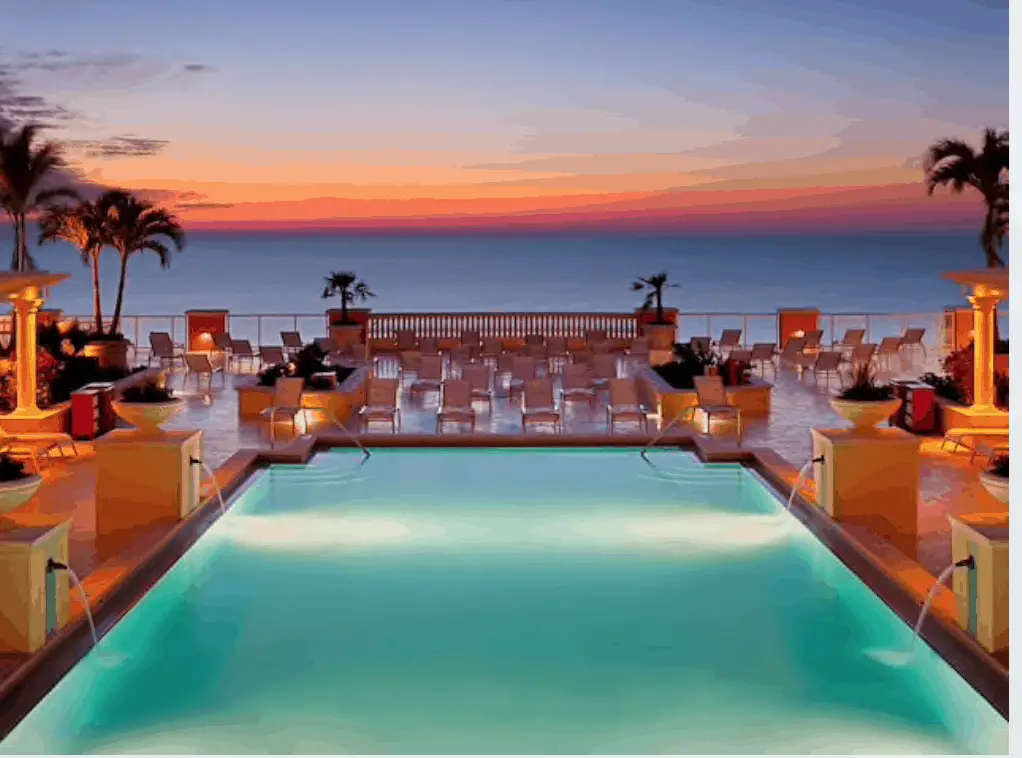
949	482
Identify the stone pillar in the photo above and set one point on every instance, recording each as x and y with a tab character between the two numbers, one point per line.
983	345
26	313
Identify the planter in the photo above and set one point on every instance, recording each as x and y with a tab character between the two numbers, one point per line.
995	485
15	493
661	336
148	417
346	335
109	353
865	415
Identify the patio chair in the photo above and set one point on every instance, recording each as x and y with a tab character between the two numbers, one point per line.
504	365
624	404
583	358
958	434
241	350
430	376
470	338
200	365
537	352
638	348
406	340
534	340
740	356
381	404
36	447
826	363
602	347
492	347
792	355
730	339
813	339
577	384
292	341
539	405
556	348
271	355
764	353
462	353
286	402
852	339
863	353
429	346
890	348
523	368
700	344
592	336
480	381
162	347
409	362
713	402
222	342
604	369
455	404
913	338
326	344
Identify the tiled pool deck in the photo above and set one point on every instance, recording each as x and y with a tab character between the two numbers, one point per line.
949	481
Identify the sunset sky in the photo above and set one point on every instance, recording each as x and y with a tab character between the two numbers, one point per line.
386	112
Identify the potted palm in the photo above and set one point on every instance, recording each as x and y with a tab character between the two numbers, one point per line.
865	403
995	478
148	406
346	328
16	485
659	329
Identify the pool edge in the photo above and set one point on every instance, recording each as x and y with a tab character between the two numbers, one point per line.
866	556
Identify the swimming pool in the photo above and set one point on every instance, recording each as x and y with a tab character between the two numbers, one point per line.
508	601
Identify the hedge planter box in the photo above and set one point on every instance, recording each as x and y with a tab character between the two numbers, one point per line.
952	415
752	399
341	403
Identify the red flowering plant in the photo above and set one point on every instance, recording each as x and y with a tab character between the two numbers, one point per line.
957	382
47	369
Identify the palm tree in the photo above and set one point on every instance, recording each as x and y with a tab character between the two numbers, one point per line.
83	227
656	285
24	168
134	226
955	164
345	285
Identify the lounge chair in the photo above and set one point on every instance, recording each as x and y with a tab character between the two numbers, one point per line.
36	446
162	347
556	349
604	369
492	347
593	336
826	363
602	347
523	368
539	405
577	384
271	355
430	376
889	350
241	350
429	346
536	352
456	404
462	353
813	339
480	381
410	361
639	348
381	404
292	342
200	365
957	434
863	353
740	356
730	339
286	403
700	344
764	353
624	404
535	340
713	402
913	338
406	340
470	338
793	354
852	339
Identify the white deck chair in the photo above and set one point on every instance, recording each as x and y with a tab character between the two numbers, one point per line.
462	354
813	339
863	353
852	339
292	342
480	381
624	404
162	348
539	405
470	338
913	338
713	402
200	365
826	363
286	403
406	340
241	350
534	340
429	346
431	374
410	362
492	348
639	348
556	348
456	404
889	350
730	339
604	369
523	369
793	354
381	404
594	336
764	354
36	446
577	384
271	355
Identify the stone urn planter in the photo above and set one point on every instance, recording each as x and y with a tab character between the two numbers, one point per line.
148	406
109	353
16	488
865	415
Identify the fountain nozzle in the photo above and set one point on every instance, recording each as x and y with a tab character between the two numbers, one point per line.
194	461
52	565
818	459
969	563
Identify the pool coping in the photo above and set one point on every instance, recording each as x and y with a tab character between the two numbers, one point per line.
884	570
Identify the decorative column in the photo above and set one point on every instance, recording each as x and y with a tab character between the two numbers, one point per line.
26	313
983	306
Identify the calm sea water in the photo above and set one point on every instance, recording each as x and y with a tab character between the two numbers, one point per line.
283	273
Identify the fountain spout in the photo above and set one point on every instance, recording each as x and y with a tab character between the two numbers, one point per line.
51	566
969	563
800	479
212	477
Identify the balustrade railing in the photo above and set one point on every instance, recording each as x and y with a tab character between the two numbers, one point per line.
264	329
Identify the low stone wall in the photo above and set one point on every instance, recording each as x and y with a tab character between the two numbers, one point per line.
752	399
952	415
341	403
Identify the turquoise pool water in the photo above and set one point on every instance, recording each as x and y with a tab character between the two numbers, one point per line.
508	601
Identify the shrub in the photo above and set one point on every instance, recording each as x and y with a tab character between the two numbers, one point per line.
268	377
11	470
944	387
999	466
148	392
864	387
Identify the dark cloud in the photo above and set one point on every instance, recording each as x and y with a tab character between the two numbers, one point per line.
123	146
994	4
199	68
196	201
